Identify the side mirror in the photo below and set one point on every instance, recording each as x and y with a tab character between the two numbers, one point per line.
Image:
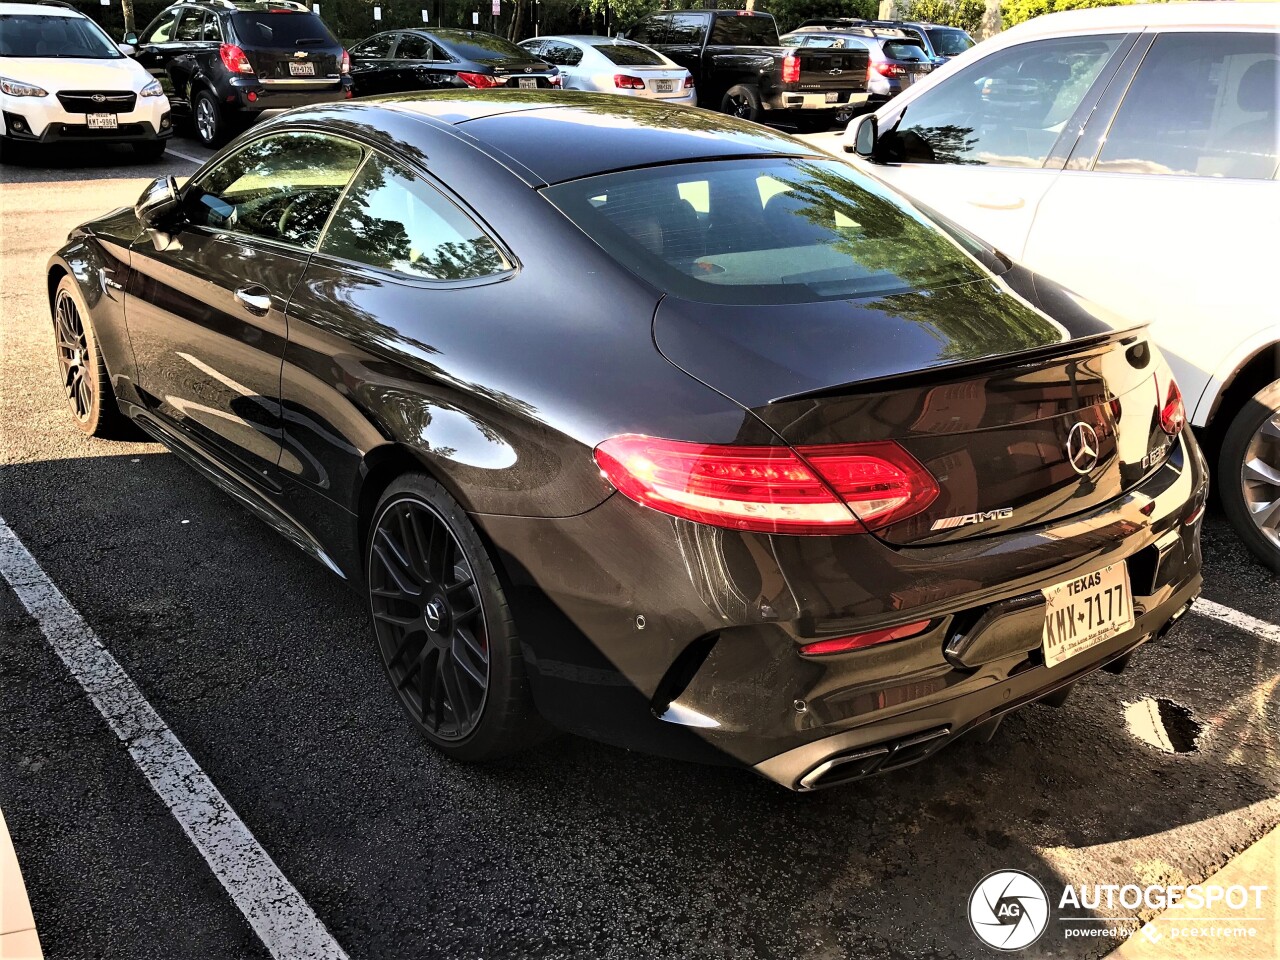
130	38
860	135
157	202
128	49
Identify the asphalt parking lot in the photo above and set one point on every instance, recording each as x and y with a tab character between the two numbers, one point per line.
263	667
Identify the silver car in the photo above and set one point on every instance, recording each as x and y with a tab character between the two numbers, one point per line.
609	65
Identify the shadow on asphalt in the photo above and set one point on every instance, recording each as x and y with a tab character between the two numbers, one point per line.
266	670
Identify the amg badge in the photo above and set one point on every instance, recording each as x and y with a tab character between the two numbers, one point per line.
950	523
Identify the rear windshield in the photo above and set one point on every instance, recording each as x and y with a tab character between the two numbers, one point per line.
630	55
949	43
773	230
270	29
481	47
27	36
901	50
745	32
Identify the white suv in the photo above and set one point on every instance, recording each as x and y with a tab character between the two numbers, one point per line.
1130	153
62	80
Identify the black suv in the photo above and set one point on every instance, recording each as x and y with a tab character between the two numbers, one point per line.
222	62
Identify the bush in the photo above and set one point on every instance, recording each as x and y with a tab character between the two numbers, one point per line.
1016	11
965	14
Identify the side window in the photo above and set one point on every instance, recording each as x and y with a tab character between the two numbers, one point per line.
375	48
393	220
1006	110
1201	105
212	31
562	54
190	27
280	187
687	28
532	46
162	30
414	47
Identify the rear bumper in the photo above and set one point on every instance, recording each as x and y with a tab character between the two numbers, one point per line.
682	639
252	95
815	101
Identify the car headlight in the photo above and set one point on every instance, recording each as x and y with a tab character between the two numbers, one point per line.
15	89
152	89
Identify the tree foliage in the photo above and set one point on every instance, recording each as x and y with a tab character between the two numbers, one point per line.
1016	11
965	14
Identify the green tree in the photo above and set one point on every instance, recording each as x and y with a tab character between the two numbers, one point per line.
1016	11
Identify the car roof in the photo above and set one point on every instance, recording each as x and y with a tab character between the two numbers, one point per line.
532	129
39	10
588	40
1139	16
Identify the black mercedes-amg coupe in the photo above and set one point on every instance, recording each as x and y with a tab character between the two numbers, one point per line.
647	423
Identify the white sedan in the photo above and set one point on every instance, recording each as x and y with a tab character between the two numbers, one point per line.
609	65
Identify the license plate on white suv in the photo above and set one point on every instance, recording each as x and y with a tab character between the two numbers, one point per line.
302	69
664	86
1084	612
102	121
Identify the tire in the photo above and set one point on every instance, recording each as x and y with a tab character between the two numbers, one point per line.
84	373
208	120
1249	475
408	571
149	151
742	102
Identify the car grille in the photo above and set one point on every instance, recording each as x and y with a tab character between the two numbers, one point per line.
86	101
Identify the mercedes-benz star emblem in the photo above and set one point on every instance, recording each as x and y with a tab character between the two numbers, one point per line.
435	615
1082	448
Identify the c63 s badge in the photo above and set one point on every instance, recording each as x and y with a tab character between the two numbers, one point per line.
950	523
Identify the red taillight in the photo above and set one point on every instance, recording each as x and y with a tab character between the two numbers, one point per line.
886	69
860	641
1173	415
233	59
688	81
624	82
791	68
556	80
345	65
829	489
480	81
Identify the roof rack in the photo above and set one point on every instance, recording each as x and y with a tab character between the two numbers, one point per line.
249	4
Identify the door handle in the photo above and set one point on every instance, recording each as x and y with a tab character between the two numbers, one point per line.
255	299
997	201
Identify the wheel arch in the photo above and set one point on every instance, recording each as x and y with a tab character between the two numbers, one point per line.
1260	369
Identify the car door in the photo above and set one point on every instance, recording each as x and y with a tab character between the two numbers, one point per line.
197	39
420	64
158	45
567	58
685	35
984	145
1167	211
206	303
400	267
371	65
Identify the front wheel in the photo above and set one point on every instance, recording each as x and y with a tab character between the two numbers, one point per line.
742	102
444	629
1249	475
84	373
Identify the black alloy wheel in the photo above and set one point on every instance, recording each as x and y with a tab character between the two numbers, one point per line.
742	102
84	374
443	627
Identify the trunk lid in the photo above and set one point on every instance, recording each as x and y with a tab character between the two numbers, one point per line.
291	46
979	382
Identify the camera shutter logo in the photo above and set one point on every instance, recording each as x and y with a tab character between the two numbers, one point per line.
1008	910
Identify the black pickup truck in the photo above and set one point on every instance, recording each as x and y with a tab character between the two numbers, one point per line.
739	66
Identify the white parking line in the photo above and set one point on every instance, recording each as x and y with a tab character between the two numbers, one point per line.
272	905
184	156
1242	621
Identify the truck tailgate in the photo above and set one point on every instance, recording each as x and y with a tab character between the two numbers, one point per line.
822	69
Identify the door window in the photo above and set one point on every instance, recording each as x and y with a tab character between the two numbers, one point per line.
414	47
393	220
562	54
743	32
375	48
1006	110
1201	105
162	30
190	26
280	187
687	28
212	31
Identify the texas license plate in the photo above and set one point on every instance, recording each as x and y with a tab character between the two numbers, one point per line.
302	69
103	121
528	83
1086	611
664	86
833	97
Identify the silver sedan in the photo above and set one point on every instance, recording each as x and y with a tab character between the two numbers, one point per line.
608	65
